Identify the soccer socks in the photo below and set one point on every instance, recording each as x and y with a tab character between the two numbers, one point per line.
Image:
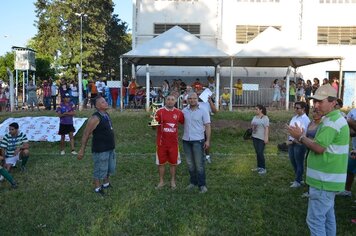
7	176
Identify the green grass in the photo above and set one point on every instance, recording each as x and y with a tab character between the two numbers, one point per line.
55	196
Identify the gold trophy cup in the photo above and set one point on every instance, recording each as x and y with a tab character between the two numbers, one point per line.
155	107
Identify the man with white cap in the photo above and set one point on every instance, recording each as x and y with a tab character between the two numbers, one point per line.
327	161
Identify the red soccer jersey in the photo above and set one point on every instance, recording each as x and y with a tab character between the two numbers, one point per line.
167	132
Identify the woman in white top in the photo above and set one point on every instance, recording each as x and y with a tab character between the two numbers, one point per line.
297	150
260	131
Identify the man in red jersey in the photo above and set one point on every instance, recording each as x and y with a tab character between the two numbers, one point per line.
167	139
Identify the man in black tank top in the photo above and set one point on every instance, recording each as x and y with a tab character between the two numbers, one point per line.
103	145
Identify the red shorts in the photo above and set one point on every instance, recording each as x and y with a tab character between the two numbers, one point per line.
167	154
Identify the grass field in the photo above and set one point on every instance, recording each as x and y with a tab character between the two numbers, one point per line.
55	195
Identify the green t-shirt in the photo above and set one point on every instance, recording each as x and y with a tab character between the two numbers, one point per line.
85	83
327	171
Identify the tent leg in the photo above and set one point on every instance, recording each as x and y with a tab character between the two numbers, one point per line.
147	88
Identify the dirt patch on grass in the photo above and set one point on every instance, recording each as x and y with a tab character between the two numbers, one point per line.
277	131
237	124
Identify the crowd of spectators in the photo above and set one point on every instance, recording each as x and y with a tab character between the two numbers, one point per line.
299	91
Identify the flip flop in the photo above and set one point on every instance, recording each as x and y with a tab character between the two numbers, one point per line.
157	187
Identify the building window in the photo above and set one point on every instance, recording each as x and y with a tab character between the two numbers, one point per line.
339	35
245	33
258	1
191	28
336	1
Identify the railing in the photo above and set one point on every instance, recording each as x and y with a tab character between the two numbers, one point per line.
263	96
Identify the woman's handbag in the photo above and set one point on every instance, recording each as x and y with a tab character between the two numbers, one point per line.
248	134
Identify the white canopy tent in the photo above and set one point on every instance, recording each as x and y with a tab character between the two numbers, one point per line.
272	48
175	47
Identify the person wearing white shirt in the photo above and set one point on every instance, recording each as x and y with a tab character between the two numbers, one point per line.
100	85
297	150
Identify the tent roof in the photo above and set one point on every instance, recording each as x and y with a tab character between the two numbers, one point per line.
272	48
176	47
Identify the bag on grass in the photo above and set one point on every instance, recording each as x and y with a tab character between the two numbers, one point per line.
248	134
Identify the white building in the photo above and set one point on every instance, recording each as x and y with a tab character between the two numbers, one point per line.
231	24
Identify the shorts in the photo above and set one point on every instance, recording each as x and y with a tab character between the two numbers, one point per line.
291	98
168	154
276	97
351	166
104	164
32	101
65	129
12	160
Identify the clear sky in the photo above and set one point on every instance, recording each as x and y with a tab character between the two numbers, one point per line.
17	18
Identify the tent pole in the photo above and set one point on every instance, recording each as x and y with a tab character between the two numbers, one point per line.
287	88
147	88
231	81
23	89
217	87
11	84
133	71
340	79
16	90
121	87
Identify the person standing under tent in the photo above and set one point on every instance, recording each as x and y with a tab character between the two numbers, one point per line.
238	91
276	93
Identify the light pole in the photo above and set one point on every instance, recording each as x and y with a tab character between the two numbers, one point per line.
80	69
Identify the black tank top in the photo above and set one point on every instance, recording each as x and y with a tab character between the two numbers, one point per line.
103	134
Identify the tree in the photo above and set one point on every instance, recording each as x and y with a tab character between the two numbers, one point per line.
117	44
6	61
59	32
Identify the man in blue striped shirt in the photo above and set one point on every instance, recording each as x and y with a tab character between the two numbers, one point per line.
14	147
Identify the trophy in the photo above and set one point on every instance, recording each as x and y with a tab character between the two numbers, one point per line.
155	107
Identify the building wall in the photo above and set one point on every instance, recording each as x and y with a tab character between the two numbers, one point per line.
218	19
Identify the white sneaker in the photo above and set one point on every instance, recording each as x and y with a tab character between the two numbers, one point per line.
74	153
190	186
305	195
63	152
1	178
203	189
262	171
344	193
207	157
295	185
255	169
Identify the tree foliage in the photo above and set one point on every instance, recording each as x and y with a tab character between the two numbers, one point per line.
6	61
104	36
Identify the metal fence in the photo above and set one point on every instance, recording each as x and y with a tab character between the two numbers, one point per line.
261	96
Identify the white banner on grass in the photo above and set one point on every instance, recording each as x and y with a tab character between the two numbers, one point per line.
41	128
